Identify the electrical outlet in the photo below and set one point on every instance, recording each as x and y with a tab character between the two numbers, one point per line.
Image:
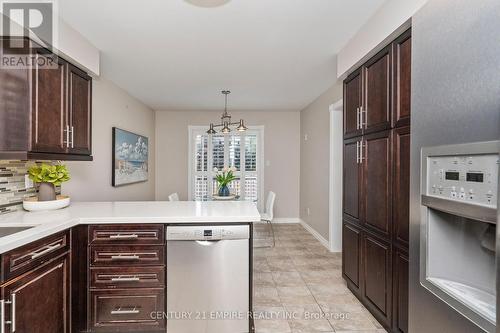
306	137
28	183
308	210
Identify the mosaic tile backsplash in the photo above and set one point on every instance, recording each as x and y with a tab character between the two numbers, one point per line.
12	187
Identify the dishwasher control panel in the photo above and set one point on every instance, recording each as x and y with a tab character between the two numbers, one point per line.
208	232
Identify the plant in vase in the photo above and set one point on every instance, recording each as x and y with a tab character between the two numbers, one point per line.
224	177
48	177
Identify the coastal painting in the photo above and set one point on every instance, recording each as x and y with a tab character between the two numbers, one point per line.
130	157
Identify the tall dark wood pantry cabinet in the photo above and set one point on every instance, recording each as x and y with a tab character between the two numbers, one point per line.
375	233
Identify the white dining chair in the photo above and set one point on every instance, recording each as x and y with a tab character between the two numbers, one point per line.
173	197
268	215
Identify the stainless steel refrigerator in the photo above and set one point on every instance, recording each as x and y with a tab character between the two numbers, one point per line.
454	166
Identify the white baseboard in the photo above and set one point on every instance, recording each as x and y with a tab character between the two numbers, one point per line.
279	220
316	235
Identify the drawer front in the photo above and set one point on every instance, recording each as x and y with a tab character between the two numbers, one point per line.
125	234
127	310
27	257
126	255
127	277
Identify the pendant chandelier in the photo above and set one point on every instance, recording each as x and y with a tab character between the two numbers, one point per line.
226	120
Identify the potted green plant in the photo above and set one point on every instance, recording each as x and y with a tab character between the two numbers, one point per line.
224	177
48	177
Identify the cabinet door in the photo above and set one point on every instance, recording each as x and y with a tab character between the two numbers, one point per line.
14	98
376	109
49	132
376	256
400	292
352	104
80	106
352	180
402	80
376	151
351	253
39	300
401	193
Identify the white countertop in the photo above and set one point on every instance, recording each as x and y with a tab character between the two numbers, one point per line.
49	222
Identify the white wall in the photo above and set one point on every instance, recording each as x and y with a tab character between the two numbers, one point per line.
281	149
77	49
379	28
91	181
315	160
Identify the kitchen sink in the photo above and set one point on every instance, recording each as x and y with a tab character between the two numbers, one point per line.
6	231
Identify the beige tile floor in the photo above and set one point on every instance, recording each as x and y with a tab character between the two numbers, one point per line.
298	287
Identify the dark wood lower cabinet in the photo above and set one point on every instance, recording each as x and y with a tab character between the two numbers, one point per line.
126	269
351	254
400	291
376	255
39	301
127	310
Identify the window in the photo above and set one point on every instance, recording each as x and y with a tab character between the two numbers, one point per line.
240	150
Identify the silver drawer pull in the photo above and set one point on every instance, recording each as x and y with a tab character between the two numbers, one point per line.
35	255
125	257
121	311
121	236
126	279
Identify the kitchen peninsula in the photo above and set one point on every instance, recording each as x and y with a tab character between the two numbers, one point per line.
105	264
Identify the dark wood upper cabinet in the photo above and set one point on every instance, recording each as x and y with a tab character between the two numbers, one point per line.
79	111
46	112
352	180
351	253
14	106
352	104
401	80
377	172
39	301
377	276
400	292
376	109
49	115
401	191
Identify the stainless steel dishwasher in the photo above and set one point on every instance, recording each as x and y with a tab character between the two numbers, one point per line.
208	279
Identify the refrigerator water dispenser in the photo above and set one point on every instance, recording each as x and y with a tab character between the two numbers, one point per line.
459	188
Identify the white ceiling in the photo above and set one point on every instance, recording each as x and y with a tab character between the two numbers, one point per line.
173	55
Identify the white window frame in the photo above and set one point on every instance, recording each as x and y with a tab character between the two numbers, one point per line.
195	130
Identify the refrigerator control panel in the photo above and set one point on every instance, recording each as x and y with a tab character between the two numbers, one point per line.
465	178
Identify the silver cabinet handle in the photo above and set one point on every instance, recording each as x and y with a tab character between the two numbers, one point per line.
2	316
121	311
361	122
362	145
35	255
67	136
122	237
72	137
125	257
12	321
357	152
126	279
13	312
357	119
